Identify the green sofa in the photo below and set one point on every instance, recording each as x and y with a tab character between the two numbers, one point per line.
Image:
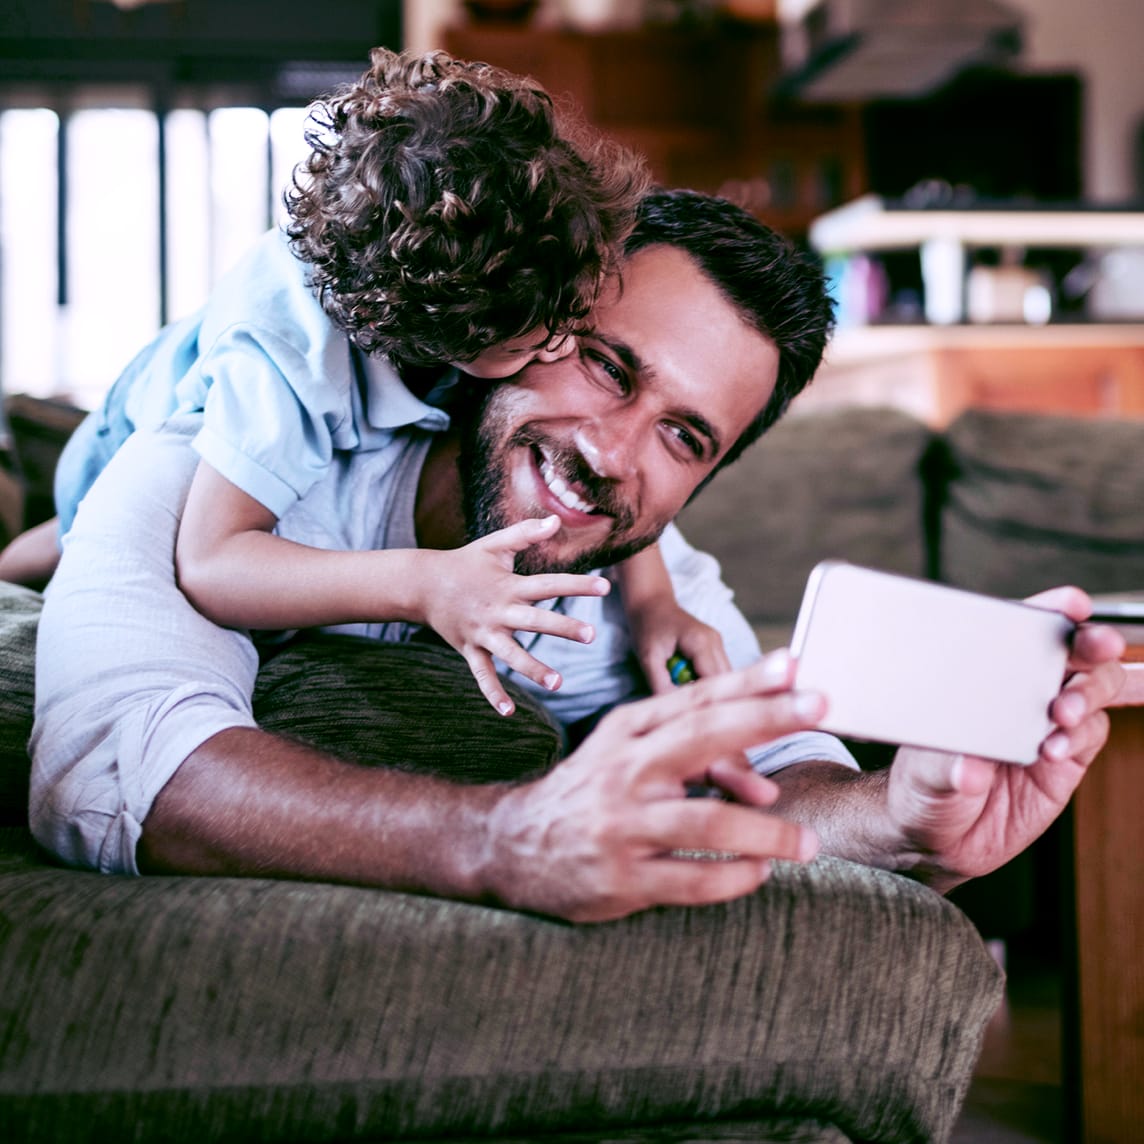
838	1003
1002	503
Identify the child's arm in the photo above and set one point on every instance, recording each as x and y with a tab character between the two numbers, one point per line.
236	572
659	627
32	556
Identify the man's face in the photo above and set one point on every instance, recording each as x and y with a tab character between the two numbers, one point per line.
615	437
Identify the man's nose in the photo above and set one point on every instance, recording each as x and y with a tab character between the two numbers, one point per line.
556	348
609	446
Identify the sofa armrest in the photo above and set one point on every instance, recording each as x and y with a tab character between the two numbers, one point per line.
212	1009
221	1009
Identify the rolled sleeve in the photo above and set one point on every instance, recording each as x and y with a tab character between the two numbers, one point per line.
803	747
271	416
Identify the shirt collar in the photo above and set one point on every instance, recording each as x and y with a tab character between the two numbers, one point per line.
389	404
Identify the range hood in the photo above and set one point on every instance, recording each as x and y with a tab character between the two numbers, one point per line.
855	50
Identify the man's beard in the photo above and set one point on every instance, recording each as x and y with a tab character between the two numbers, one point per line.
483	469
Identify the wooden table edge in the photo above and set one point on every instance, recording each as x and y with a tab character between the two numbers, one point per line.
1132	693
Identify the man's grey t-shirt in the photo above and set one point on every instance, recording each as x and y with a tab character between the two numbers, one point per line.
130	678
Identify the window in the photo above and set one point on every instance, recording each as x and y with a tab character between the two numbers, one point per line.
115	219
28	275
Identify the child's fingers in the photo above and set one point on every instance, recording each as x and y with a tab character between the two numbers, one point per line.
703	646
549	585
658	677
481	665
517	537
655	656
549	623
710	659
514	656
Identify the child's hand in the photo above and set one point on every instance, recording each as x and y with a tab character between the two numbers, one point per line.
664	630
475	601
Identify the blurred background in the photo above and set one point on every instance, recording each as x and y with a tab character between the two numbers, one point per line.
970	172
145	143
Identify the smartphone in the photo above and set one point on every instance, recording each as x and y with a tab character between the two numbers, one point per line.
915	663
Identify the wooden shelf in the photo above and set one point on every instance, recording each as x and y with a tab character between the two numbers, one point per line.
866	225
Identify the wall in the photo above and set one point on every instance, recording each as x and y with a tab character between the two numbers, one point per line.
1101	39
424	19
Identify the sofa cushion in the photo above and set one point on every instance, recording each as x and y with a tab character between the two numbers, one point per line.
843	484
19	615
301	692
40	427
1034	501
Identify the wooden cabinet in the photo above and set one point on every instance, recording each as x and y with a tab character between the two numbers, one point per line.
936	372
696	103
1104	986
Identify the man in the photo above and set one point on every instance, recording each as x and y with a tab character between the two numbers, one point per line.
145	744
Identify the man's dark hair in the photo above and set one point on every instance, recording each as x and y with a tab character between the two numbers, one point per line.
778	290
445	207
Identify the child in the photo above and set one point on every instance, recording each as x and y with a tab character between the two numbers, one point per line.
441	217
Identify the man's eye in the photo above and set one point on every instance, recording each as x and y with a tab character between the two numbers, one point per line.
614	375
687	439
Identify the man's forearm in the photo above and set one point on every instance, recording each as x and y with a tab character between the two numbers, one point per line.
848	811
250	803
592	839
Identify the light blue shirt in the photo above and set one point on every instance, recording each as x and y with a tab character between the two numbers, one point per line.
280	387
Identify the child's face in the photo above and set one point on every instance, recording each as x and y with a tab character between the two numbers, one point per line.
511	357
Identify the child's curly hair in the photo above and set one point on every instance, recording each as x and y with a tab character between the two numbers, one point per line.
445	208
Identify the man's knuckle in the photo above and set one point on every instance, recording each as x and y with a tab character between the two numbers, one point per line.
617	721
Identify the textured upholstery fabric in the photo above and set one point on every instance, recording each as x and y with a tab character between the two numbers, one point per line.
838	1003
1035	501
843	484
415	701
19	613
764	1130
195	1009
40	428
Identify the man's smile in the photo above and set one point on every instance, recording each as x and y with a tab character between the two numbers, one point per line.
558	479
566	491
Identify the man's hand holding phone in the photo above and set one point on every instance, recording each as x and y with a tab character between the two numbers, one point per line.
964	815
948	814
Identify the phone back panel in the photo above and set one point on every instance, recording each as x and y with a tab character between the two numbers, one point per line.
916	663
